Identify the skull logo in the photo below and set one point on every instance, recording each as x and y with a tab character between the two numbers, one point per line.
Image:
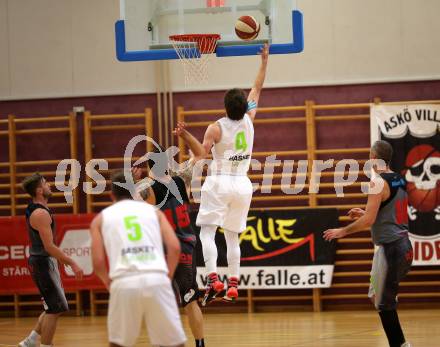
423	177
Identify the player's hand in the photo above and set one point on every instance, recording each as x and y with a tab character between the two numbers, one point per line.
180	129
264	52
356	213
331	234
77	271
136	172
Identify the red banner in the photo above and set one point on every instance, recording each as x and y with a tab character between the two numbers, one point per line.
73	239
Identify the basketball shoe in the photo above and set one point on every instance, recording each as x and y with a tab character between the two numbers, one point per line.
232	292
27	343
213	288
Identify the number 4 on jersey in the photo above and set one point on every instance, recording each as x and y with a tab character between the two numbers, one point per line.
240	141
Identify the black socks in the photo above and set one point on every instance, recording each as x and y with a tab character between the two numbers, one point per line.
200	343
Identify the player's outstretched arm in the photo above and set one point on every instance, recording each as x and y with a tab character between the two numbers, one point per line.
197	150
99	255
365	220
255	92
194	145
40	220
171	242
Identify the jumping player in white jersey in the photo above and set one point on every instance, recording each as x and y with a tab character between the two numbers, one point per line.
131	235
227	192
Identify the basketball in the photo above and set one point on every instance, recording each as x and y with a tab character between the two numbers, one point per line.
247	28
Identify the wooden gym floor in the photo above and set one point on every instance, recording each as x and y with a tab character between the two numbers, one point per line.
305	329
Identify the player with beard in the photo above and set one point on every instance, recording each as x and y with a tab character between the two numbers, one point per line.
44	256
168	191
386	214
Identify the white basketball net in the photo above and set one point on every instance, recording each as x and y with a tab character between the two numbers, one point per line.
195	52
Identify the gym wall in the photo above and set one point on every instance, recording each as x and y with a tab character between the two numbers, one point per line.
65	48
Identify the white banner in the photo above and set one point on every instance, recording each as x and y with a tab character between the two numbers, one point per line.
426	249
276	277
413	132
395	121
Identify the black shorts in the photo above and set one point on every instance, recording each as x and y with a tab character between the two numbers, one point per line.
185	277
391	263
45	273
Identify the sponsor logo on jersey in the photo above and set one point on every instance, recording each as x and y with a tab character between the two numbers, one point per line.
136	250
239	157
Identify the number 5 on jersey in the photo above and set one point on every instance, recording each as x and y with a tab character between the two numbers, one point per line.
240	141
133	228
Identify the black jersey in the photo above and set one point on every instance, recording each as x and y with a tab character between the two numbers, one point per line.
392	218
37	247
175	211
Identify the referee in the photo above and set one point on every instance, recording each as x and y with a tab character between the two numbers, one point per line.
43	261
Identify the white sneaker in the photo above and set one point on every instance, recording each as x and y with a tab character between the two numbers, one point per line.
27	343
406	344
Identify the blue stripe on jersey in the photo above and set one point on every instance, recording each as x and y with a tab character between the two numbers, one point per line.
252	105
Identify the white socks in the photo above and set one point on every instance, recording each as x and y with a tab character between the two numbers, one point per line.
233	252
41	345
207	237
33	336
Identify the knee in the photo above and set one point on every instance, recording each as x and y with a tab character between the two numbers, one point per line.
58	310
191	307
232	238
55	314
207	232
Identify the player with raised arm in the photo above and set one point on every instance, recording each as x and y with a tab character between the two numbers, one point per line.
386	214
227	191
174	203
130	235
44	256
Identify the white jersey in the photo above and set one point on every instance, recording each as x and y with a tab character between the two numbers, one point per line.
232	154
132	239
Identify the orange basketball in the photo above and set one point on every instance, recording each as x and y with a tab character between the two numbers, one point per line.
247	28
423	200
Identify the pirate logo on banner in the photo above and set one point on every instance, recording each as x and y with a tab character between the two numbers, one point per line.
413	131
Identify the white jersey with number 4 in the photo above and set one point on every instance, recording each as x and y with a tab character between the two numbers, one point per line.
232	154
227	193
132	239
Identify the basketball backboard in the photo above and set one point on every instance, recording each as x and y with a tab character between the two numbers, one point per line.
143	31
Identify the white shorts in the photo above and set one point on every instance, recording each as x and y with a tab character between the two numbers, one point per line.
147	296
225	202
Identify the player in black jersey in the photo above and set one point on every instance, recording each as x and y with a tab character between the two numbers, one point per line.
386	214
168	191
43	261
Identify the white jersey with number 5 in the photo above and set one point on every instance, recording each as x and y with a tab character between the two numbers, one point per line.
132	239
232	154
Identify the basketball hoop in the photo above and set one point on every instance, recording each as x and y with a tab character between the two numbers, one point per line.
195	53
